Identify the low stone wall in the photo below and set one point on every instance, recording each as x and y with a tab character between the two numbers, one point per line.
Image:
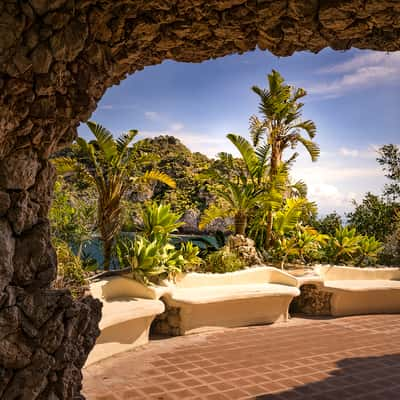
312	301
168	323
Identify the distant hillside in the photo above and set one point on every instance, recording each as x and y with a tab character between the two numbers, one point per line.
192	194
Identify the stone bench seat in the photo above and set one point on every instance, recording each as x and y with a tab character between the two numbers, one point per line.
215	294
129	308
361	290
257	295
118	311
362	285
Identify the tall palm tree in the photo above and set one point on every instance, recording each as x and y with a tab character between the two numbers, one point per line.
248	187
281	125
109	164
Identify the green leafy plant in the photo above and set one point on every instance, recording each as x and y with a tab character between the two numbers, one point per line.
369	250
70	273
373	216
151	256
343	246
348	247
389	159
190	254
72	215
142	256
222	261
328	224
303	244
159	222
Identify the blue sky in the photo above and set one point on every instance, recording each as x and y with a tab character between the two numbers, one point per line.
353	98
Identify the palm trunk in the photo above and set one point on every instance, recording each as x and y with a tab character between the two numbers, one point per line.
268	236
109	226
240	224
107	249
275	161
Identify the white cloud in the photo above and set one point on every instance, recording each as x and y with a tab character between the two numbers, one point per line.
339	176
152	115
329	198
362	71
358	61
344	151
370	152
177	126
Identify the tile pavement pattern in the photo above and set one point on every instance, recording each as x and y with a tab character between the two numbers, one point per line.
314	359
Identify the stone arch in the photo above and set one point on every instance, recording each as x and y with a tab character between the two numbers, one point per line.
57	58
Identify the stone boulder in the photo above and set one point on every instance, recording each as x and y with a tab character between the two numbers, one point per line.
245	248
191	220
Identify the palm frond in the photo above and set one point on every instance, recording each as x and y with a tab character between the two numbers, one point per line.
125	140
211	213
300	188
286	219
159	176
104	140
246	151
257	129
312	147
308	126
65	165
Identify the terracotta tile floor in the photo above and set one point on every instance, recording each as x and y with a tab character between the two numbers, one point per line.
314	359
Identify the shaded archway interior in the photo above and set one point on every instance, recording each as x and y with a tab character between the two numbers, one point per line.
57	58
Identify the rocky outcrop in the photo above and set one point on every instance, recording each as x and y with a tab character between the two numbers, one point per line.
190	220
57	58
245	248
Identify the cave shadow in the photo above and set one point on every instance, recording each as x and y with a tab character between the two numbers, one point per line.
369	378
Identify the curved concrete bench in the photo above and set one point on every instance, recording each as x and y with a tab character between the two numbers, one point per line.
257	295
361	290
128	311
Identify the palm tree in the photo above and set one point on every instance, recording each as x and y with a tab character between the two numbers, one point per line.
281	125
109	165
246	188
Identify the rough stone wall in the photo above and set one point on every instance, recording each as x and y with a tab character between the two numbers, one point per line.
168	323
45	336
57	57
312	301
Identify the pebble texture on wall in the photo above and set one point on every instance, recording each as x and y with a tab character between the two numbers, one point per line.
57	58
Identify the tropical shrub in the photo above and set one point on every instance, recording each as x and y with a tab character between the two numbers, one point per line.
389	159
159	222
348	247
304	245
390	255
328	224
70	273
369	250
151	255
222	261
72	215
342	247
373	216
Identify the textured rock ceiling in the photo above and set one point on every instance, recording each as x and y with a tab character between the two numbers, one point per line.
57	58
